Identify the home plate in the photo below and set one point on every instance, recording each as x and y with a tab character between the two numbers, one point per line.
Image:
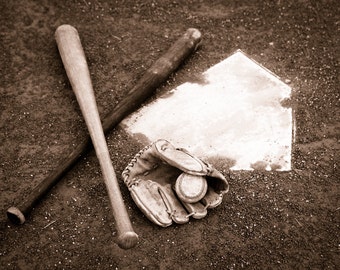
234	117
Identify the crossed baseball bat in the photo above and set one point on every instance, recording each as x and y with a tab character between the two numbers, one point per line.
74	60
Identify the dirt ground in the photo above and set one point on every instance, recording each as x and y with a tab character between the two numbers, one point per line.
268	220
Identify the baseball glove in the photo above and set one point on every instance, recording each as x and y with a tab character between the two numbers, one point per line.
169	184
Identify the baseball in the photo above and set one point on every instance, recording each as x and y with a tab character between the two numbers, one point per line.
191	188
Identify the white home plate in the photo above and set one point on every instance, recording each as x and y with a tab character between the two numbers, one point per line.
234	117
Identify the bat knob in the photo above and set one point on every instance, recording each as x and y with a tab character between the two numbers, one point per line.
15	215
127	240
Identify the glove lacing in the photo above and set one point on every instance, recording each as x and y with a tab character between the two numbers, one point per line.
126	173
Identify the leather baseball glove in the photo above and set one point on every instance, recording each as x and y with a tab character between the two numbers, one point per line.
169	184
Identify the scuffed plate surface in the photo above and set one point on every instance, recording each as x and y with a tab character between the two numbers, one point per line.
233	116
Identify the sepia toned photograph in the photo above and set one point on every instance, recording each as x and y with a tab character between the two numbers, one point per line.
165	135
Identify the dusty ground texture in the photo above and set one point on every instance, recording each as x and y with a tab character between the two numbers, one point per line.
269	220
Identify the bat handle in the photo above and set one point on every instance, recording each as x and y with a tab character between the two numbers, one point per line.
74	60
127	238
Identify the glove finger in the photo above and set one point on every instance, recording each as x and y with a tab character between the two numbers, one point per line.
147	197
175	209
180	158
211	198
196	210
217	180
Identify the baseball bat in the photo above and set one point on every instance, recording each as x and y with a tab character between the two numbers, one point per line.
73	57
145	86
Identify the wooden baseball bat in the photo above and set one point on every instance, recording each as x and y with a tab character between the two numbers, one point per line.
76	67
145	86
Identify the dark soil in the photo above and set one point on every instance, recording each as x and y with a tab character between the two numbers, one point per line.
268	220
